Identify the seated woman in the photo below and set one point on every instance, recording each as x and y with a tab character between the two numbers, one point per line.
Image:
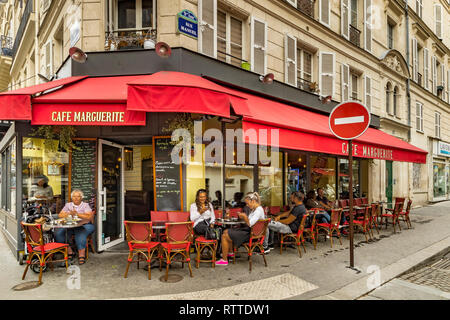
81	209
202	213
312	203
41	189
236	237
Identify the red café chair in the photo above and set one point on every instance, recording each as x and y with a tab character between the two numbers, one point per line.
43	251
139	237
257	234
218	214
343	203
405	214
394	216
374	217
311	232
364	224
365	201
333	226
234	212
295	238
159	216
178	216
179	239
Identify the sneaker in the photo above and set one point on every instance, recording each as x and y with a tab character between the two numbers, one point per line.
266	250
221	262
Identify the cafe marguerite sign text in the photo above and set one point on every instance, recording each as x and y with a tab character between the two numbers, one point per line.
369	152
88	116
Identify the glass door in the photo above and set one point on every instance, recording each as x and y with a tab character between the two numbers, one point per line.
110	195
389	183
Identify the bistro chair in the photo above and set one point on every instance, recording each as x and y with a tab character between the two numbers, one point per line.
405	214
257	234
179	239
311	231
234	212
397	200
36	246
364	224
295	238
162	217
139	237
90	238
218	214
201	243
178	216
374	217
343	203
394	216
365	201
333	226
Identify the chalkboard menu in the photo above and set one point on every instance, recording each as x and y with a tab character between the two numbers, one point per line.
84	170
167	184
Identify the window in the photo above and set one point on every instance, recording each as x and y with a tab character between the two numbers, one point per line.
344	179
395	104
390	36
8	181
327	71
419	116
448	86
368	92
345	82
442	81
419	7
258	46
426	68
354	87
434	74
367	25
437	124
304	68
270	178
290	60
388	97
48	52
207	13
324	12
229	38
438	20
345	18
135	14
323	175
354	13
415	60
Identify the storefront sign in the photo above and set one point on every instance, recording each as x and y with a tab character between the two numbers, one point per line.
102	115
187	23
364	151
444	149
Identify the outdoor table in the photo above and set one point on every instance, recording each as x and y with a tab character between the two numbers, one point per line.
226	222
158	226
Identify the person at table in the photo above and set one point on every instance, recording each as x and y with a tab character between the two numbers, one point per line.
238	236
41	189
287	222
81	209
323	200
312	203
202	213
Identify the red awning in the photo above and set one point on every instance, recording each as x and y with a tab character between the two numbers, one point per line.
301	129
16	104
168	91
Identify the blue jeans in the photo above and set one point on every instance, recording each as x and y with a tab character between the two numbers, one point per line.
81	234
323	217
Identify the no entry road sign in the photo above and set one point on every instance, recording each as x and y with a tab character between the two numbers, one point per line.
349	120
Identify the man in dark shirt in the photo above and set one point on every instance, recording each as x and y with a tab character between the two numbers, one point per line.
283	223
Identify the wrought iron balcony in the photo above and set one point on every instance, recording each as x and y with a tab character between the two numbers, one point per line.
6	46
130	39
23	23
306	6
355	36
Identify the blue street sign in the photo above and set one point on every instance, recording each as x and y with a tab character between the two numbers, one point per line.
187	23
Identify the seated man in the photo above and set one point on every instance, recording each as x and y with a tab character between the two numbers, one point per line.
323	201
287	222
312	203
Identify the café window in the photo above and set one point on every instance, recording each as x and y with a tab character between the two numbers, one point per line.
344	179
297	172
323	175
44	173
270	175
135	14
8	178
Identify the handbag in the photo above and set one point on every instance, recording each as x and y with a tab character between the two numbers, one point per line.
210	233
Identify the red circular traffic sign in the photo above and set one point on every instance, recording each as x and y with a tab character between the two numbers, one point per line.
349	120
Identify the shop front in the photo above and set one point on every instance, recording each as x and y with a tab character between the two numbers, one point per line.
123	155
441	171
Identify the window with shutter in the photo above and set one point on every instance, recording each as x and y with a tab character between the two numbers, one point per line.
434	74
367	25
395	101
368	92
235	45
221	36
419	116
345	85
354	13
438	20
49	59
324	12
388	97
437	124
304	68
426	68
419	8
258	46
448	86
355	79
443	81
134	15
345	18
208	30
415	60
327	72
290	52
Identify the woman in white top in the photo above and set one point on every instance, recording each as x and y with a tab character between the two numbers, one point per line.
202	213
236	237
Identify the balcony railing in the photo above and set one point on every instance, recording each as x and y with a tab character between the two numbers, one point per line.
130	39
306	6
6	46
355	36
23	23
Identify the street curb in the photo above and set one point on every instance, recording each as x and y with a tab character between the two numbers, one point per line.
359	287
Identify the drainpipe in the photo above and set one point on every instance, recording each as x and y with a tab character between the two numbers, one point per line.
408	81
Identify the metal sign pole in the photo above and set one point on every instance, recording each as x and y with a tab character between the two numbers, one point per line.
350	190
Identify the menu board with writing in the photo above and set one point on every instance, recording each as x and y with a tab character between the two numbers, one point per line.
168	191
84	170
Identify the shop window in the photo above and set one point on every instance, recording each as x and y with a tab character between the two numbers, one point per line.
323	175
344	179
439	180
271	178
44	174
296	172
8	178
